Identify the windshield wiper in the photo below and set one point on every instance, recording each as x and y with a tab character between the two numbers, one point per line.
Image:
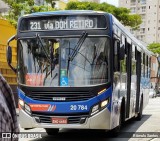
43	47
76	48
50	58
78	45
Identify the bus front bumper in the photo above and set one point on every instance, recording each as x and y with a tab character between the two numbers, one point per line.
100	120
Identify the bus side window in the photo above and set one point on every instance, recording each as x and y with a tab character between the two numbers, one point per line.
144	67
116	56
149	66
123	60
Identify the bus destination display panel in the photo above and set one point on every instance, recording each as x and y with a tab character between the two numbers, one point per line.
64	23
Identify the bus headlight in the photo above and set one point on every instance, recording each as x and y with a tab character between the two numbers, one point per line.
21	103
100	106
95	109
104	103
27	109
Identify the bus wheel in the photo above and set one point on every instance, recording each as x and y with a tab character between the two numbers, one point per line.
51	131
139	117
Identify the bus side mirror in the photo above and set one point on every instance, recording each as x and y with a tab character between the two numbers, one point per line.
9	54
121	52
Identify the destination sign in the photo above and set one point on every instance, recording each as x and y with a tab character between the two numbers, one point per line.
64	23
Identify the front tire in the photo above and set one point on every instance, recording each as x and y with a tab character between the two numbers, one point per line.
51	131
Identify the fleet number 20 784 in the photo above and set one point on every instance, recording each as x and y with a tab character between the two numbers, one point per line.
78	107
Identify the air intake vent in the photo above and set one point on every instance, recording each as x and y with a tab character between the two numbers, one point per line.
72	119
60	95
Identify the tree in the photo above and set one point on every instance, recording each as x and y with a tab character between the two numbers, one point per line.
122	14
155	48
20	7
52	2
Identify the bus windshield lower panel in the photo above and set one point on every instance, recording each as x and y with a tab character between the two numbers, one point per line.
69	62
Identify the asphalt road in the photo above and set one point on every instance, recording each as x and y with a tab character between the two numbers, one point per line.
148	129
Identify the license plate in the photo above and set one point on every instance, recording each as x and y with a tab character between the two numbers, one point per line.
56	120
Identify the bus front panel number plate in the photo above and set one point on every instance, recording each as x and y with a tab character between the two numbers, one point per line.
56	120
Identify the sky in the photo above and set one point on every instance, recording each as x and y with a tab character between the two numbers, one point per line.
113	2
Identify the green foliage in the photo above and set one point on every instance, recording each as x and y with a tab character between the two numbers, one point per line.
20	7
154	47
122	14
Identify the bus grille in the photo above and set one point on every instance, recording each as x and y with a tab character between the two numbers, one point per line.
72	119
60	96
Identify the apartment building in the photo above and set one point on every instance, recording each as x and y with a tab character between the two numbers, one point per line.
149	10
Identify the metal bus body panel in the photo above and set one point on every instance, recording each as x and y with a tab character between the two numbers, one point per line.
103	116
145	86
66	107
144	83
99	121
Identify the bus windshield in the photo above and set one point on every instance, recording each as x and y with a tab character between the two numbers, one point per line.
50	61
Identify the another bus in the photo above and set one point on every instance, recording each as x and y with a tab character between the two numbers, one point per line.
79	70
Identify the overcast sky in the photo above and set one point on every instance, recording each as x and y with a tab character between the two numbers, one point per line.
113	2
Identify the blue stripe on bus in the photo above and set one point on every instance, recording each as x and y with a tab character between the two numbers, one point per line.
68	107
21	94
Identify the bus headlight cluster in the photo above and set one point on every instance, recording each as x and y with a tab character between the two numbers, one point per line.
27	109
21	103
95	109
24	106
98	107
104	103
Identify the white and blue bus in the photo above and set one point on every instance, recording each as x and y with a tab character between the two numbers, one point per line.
78	70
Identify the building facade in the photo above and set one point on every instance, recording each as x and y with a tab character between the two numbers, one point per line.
149	31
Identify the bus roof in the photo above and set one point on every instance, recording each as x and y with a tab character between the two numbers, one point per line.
65	12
